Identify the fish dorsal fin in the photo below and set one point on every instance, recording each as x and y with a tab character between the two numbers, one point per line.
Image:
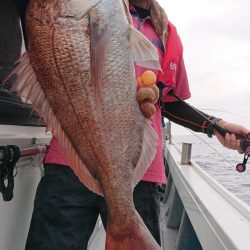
27	86
144	52
148	152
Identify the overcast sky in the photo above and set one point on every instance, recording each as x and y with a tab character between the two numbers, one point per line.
216	39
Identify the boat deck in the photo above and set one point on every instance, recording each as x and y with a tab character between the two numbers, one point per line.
168	235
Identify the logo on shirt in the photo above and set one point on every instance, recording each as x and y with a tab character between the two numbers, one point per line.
173	66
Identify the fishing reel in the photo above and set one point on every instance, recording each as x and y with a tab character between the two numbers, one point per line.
245	145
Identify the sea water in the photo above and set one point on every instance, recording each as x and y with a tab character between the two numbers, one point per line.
219	162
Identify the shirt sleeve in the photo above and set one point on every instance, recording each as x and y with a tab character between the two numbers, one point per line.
181	88
187	116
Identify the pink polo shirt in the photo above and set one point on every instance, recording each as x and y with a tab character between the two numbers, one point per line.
156	172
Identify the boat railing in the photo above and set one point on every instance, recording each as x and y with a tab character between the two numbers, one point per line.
26	152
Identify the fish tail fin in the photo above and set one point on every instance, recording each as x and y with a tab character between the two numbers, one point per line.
135	237
144	52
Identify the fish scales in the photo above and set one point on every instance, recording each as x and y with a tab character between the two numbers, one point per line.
81	54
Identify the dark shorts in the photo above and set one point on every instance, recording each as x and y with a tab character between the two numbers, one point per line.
65	211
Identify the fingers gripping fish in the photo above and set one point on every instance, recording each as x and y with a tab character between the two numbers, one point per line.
78	72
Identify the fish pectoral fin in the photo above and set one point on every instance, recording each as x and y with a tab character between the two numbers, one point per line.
144	52
126	4
127	12
148	152
27	86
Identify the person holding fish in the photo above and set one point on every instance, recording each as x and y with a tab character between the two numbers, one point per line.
86	72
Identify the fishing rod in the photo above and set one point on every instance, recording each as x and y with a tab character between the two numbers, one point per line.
244	142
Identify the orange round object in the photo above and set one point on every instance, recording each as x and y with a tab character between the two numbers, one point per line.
148	78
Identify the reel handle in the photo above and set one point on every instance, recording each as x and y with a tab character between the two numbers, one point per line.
245	145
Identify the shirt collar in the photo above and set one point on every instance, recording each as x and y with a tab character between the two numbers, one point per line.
134	12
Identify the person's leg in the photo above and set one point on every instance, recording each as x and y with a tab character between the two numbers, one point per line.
147	203
64	214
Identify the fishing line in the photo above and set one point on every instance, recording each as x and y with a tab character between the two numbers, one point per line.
223	111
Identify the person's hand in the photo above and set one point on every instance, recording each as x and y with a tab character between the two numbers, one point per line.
232	139
147	93
147	97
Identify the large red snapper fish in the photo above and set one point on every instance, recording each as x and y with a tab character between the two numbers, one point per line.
78	73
